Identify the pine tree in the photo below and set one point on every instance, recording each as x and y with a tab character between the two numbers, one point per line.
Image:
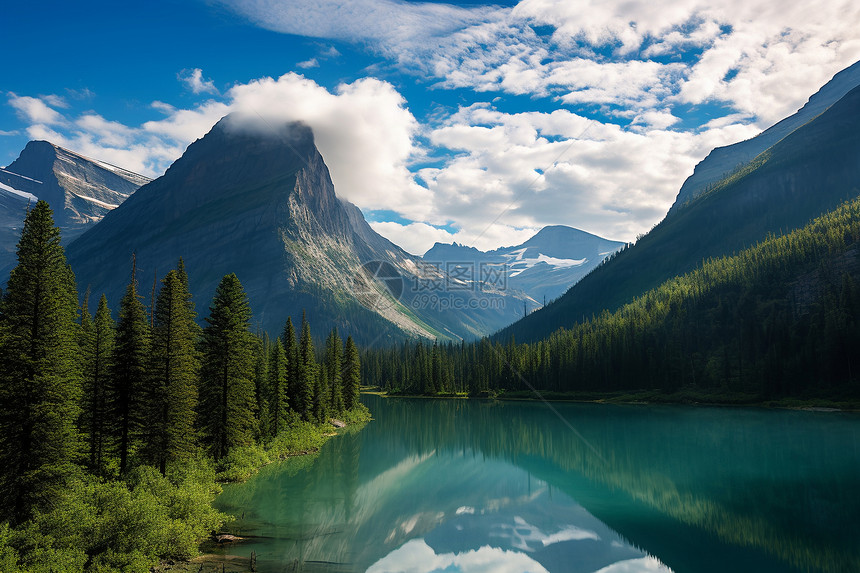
333	366
306	373
129	373
227	401
321	397
39	372
262	350
351	375
96	344
291	349
173	364
278	403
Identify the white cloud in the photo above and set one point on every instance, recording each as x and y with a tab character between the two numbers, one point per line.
35	110
307	64
416	556
193	80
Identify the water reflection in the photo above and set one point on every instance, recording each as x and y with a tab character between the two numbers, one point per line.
449	485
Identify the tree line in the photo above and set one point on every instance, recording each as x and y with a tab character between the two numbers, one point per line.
777	320
84	393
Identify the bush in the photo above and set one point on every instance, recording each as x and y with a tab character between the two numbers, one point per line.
110	526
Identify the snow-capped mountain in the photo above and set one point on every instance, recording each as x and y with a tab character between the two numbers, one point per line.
80	191
543	267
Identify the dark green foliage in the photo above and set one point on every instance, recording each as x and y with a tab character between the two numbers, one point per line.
172	384
808	173
321	397
351	375
781	319
118	526
277	396
291	349
334	367
39	372
96	344
306	373
227	394
129	374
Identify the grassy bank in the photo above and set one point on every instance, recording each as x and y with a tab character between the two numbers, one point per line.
147	520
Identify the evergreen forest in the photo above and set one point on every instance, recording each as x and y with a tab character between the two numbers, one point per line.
114	434
779	321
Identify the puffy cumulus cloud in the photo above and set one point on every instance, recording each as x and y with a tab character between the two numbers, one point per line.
363	130
532	169
194	81
416	556
740	52
35	110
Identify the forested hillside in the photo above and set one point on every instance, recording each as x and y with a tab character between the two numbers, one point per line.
780	319
808	173
112	435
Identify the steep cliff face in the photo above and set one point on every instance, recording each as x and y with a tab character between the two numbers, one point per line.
261	204
80	191
722	161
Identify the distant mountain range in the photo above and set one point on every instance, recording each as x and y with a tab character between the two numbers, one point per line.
543	267
800	175
80	191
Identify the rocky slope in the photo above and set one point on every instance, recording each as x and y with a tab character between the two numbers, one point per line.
261	204
722	161
80	191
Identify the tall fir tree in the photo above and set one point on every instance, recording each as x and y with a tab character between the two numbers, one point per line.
351	375
96	345
321	397
306	372
333	366
291	349
39	372
129	373
277	391
227	395
262	351
172	388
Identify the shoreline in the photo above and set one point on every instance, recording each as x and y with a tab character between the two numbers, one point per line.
650	398
210	561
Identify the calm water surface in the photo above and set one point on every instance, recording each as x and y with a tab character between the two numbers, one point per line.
456	485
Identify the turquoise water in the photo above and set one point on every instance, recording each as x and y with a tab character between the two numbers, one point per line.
461	485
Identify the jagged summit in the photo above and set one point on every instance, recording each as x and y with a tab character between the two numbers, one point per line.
257	200
80	191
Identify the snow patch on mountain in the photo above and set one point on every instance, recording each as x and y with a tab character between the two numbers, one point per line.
518	263
22	194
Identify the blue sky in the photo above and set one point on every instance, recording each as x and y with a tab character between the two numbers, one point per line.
479	123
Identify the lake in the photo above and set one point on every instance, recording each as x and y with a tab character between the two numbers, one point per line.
467	486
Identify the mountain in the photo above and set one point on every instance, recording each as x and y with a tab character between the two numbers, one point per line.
80	191
260	203
810	171
721	161
543	267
